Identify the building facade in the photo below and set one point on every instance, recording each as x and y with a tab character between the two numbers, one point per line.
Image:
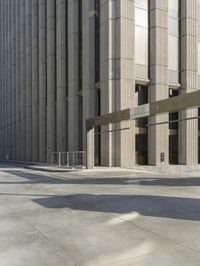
63	61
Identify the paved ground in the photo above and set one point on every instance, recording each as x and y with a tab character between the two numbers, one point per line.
117	217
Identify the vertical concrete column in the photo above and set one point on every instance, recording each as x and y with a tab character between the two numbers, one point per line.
51	75
23	80
90	148
61	47
88	61
35	82
18	74
2	20
73	75
9	81
125	85
108	76
42	81
3	12
10	78
2	77
6	78
188	130
1	80
28	81
13	80
1	89
158	138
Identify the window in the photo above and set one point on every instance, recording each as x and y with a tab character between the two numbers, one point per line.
174	9
173	116
141	4
141	97
198	33
173	24
141	32
173	53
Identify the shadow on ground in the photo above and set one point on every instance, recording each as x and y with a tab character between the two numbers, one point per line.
146	181
147	205
166	207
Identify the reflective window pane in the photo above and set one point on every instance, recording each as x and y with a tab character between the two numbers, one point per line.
173	55
142	4
141	17
198	33
199	57
198	10
173	26
141	46
174	8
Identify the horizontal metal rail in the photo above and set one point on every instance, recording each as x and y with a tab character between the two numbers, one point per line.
110	131
173	121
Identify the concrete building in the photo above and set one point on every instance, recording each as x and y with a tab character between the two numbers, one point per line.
63	61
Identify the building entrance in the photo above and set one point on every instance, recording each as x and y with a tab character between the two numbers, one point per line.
141	143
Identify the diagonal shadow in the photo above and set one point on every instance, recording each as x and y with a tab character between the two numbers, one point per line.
145	181
158	206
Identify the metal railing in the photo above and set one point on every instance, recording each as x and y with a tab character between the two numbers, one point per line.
67	159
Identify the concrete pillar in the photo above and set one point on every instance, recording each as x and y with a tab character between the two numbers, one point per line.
6	76
1	89
88	62
2	51
125	85
18	74
42	81
51	75
158	135
90	148
1	79
28	81
108	76
13	80
9	81
35	82
61	47
73	75
6	79
23	80
188	130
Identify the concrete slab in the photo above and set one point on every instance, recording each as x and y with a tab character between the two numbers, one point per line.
111	217
50	168
171	170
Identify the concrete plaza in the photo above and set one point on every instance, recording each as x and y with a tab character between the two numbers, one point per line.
111	217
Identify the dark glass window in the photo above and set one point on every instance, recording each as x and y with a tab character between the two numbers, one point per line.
173	116
141	97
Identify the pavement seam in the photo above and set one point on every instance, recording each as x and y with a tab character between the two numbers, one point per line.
22	217
126	260
161	236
